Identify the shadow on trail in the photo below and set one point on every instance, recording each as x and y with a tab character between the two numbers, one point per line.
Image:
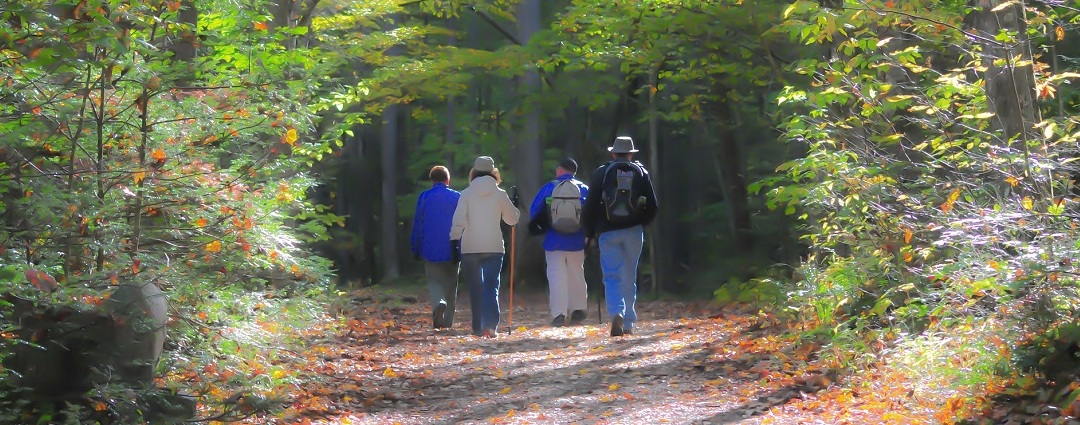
574	371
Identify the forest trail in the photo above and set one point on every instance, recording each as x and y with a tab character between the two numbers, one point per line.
684	364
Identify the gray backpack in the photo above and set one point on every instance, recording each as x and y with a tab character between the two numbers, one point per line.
565	207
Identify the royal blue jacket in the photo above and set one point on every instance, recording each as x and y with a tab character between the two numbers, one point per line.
431	222
555	241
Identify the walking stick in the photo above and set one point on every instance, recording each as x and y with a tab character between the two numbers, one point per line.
513	249
513	245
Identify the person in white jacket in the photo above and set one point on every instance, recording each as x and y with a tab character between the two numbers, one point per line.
476	235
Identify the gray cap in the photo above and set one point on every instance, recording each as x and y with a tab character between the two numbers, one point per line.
484	164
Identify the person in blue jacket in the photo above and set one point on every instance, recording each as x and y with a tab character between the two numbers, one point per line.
564	251
431	242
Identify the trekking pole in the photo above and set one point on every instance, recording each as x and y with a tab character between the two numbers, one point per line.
513	249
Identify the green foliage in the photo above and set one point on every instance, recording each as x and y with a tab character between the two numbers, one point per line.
122	164
926	218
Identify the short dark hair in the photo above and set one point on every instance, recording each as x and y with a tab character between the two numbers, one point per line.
568	164
439	173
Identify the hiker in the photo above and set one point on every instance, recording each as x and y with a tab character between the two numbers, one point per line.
476	236
556	213
431	242
620	204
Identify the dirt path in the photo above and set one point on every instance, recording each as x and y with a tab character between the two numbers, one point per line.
684	364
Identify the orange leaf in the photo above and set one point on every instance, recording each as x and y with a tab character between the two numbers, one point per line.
907	236
261	26
214	246
158	155
1060	33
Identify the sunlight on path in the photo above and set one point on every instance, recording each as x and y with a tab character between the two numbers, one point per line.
705	368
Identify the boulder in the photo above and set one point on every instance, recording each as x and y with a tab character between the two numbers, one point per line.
61	350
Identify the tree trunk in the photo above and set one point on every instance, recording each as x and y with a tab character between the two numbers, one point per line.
1010	78
733	183
529	152
388	215
188	17
531	149
659	266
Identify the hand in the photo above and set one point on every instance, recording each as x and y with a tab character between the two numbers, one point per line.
455	250
513	192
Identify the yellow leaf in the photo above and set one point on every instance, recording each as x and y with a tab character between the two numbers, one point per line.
1003	6
214	246
1027	202
139	176
278	374
291	136
613	387
1060	33
505	391
389	372
907	236
954	195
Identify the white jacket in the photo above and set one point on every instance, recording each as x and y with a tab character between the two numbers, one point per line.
476	220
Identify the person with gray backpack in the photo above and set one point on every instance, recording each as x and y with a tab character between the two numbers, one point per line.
556	213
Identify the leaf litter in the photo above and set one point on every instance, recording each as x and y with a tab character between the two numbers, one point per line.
685	363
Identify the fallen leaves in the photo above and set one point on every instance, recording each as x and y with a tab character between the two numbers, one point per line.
388	366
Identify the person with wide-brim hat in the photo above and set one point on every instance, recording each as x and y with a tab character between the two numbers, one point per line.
620	202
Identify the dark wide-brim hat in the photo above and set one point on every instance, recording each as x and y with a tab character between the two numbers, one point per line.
622	145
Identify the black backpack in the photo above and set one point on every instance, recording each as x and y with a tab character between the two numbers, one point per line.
623	204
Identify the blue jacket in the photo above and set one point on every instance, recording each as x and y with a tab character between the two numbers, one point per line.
431	222
555	241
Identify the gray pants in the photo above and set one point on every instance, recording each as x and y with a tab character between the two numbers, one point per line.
442	283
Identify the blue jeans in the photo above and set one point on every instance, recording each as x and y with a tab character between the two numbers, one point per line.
620	251
481	273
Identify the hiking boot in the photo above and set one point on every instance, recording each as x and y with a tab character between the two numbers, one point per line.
558	321
438	316
577	316
616	325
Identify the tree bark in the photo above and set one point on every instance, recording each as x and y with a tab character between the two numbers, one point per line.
1010	78
733	183
530	155
184	49
388	240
